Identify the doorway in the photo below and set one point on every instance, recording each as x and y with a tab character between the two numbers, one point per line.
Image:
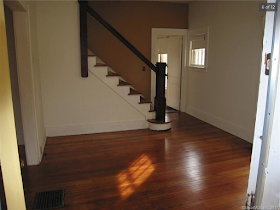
170	52
169	46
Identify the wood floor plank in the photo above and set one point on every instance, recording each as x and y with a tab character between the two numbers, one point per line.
192	166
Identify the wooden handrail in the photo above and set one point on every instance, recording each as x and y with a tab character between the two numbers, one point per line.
121	38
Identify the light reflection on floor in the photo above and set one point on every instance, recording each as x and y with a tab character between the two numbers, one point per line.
132	177
194	170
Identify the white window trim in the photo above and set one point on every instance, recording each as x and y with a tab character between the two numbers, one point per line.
202	30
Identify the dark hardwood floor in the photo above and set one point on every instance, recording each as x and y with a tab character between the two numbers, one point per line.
192	166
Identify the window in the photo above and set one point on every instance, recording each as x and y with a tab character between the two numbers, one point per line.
198	48
198	57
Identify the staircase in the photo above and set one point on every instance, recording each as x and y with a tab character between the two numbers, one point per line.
157	120
97	67
120	86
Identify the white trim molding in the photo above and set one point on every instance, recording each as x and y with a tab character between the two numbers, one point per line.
96	128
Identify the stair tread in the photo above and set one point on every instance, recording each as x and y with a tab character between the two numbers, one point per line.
111	74
144	101
100	65
134	92
123	83
163	121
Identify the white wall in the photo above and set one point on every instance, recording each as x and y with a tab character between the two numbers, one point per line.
72	104
226	95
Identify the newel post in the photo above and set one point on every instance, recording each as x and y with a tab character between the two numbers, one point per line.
83	38
160	101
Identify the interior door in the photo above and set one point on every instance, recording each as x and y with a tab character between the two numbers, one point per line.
174	72
170	49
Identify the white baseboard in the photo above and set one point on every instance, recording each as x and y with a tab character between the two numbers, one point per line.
95	128
222	124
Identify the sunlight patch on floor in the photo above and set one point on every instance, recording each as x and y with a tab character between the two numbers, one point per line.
132	177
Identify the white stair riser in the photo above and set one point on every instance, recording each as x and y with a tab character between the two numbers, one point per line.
111	70
122	90
143	108
91	62
99	61
100	72
132	99
111	81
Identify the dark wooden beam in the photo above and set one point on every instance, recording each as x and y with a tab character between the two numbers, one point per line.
83	38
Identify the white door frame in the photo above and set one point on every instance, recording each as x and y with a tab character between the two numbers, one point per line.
262	140
173	32
268	180
25	79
